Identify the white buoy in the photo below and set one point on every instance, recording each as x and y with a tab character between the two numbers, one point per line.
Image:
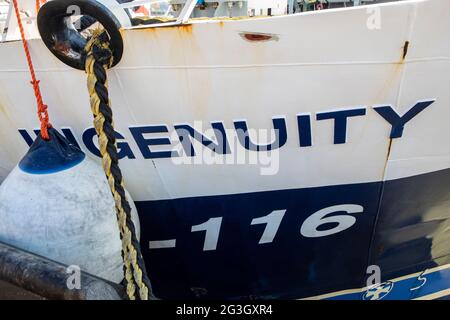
57	203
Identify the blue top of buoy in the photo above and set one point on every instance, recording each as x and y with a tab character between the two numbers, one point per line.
54	155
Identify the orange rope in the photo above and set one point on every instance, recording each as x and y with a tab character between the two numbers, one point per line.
42	108
39	4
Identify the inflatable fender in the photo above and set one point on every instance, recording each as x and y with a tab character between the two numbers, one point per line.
57	203
61	24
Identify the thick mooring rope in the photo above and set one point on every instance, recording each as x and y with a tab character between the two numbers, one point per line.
98	59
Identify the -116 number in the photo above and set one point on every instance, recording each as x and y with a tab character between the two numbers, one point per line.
309	228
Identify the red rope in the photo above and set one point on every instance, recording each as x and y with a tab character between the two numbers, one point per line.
39	3
42	108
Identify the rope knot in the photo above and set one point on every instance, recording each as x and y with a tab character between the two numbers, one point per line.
102	54
42	113
99	47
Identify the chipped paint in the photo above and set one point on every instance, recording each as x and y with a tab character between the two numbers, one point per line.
405	51
258	37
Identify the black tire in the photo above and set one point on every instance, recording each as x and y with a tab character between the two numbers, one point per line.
54	30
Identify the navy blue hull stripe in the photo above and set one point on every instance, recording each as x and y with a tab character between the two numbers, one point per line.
223	249
432	283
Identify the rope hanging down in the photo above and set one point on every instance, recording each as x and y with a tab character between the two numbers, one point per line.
98	59
39	4
42	108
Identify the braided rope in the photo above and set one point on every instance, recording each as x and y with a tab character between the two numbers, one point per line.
39	4
98	60
42	107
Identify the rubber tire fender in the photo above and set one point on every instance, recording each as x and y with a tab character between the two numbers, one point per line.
54	29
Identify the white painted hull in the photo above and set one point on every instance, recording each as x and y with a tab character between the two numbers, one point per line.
206	72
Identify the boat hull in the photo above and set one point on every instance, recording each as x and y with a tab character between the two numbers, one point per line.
357	173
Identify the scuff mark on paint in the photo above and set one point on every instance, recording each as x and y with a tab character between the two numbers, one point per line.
258	37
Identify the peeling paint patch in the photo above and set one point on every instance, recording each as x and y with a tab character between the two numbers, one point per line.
258	37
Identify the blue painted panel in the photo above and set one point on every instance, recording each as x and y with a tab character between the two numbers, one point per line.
411	288
410	236
292	266
411	232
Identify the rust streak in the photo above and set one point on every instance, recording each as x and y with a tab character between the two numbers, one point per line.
150	30
185	28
